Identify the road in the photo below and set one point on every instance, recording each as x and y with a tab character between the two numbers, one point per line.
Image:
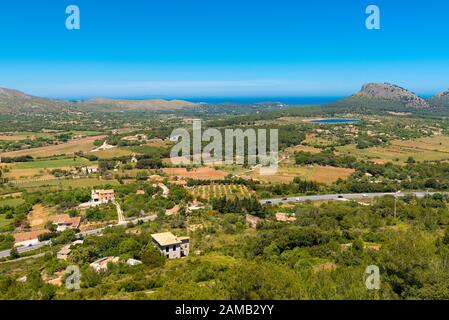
39	255
121	217
39	245
6	253
349	196
325	197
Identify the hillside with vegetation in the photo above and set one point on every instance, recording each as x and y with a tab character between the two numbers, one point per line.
13	101
441	100
244	244
111	105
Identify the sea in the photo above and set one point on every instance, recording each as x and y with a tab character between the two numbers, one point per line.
309	100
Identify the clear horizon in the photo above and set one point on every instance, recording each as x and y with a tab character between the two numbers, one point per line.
208	50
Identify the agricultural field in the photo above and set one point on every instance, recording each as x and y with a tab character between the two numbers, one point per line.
12	137
218	191
66	183
434	148
205	173
113	153
286	174
83	144
301	148
319	142
17	136
11	202
41	169
52	163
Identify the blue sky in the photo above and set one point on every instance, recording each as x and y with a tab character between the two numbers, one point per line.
227	48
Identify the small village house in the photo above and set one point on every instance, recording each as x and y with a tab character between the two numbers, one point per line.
64	222
171	246
103	196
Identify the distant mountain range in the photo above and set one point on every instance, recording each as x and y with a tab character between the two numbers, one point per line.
110	105
372	96
13	101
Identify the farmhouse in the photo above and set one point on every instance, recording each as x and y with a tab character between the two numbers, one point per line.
171	246
64	222
102	196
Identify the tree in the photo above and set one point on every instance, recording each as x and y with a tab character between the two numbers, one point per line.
411	160
129	246
51	227
3	179
257	280
14	254
152	257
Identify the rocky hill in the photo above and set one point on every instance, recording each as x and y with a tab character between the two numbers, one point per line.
391	92
375	97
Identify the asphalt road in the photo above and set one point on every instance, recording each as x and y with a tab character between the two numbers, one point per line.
350	196
39	245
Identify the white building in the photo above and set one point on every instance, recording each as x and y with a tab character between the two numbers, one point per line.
89	170
171	246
